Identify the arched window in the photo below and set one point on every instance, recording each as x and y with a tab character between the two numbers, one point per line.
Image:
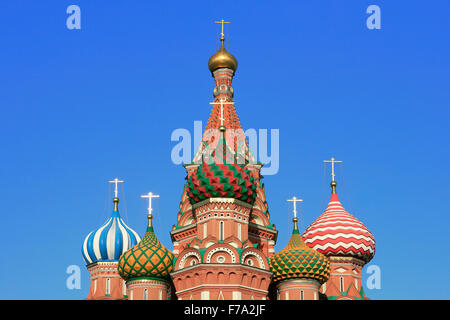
145	294
302	295
341	284
205	230
124	288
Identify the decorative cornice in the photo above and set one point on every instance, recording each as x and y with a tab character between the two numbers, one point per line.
182	229
221	266
337	259
258	227
222	200
102	264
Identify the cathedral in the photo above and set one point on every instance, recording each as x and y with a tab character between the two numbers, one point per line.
223	239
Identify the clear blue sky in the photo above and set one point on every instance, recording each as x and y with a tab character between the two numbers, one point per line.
80	107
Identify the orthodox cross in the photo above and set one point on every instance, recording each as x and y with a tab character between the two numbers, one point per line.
150	196
222	100
332	161
295	200
222	22
116	182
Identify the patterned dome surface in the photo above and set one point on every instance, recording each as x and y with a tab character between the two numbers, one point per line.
337	233
298	260
108	242
148	259
222	181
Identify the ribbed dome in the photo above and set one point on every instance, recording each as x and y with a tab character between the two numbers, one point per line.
298	260
337	233
148	259
221	181
108	242
222	59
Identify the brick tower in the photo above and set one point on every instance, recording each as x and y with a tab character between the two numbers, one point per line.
223	236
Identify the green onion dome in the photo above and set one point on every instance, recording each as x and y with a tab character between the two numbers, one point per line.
298	260
148	259
221	181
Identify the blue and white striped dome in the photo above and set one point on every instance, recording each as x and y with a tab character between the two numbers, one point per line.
110	241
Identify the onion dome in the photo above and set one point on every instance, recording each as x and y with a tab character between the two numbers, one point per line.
222	59
148	259
337	233
221	181
298	260
108	242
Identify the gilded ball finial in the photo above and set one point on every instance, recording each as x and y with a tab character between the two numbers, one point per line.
295	220
116	203
333	185
150	218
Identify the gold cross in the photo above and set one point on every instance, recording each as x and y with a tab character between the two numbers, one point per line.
332	161
222	22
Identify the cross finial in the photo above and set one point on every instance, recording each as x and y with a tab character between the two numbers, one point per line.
150	196
116	182
332	161
222	22
222	119
295	200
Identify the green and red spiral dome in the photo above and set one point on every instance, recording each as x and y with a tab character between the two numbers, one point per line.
221	181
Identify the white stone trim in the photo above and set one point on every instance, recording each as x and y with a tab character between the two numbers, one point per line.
189	254
219	249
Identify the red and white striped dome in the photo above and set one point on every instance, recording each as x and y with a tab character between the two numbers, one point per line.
337	233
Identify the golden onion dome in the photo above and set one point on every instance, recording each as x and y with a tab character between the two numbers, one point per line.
222	59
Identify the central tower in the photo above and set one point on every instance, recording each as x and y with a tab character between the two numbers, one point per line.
223	236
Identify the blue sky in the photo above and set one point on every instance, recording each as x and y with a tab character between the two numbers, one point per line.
80	107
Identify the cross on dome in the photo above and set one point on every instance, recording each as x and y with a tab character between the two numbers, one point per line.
116	182
295	200
332	161
221	103
222	22
150	196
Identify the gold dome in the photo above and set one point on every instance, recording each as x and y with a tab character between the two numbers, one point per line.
222	59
